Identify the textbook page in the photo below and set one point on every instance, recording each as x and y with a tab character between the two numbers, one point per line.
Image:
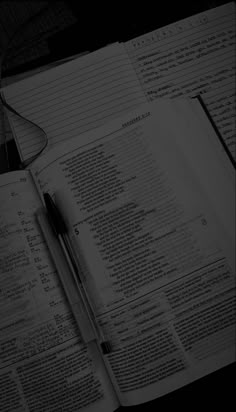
43	364
203	151
72	98
159	263
193	56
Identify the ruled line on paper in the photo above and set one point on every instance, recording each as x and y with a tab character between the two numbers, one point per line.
70	81
198	59
41	104
85	129
90	113
70	114
213	15
95	116
51	124
76	96
219	54
74	130
220	90
189	74
169	44
57	75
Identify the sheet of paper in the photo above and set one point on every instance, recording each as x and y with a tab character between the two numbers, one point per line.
160	263
6	81
74	97
43	363
192	56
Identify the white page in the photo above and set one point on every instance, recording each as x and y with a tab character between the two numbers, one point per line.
43	363
72	98
160	263
192	56
211	165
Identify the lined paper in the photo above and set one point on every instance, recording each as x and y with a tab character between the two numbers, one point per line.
6	81
193	56
73	98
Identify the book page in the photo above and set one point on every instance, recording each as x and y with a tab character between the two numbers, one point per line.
204	152
43	363
158	258
190	57
72	98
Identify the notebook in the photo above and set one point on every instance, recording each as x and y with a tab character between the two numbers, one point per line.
72	98
193	56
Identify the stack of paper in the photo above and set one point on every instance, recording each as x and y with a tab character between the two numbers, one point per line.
193	56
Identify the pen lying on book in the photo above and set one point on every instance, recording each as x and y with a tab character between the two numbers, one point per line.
69	272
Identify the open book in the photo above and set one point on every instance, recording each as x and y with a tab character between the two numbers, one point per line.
150	201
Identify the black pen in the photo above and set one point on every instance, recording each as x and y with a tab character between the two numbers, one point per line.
86	319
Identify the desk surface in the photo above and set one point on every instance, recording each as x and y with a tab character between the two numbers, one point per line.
96	28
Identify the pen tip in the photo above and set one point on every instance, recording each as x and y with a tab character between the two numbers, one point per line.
106	347
55	216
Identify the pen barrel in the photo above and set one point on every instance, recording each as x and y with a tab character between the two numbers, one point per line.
75	269
79	279
73	294
86	327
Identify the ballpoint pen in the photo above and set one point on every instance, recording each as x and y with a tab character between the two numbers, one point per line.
69	272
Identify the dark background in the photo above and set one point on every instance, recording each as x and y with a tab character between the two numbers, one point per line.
95	27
